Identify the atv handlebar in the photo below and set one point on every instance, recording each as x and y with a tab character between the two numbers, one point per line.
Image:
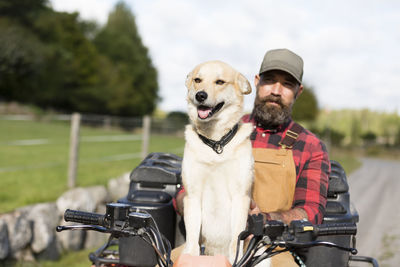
122	221
336	229
298	228
297	235
304	230
84	217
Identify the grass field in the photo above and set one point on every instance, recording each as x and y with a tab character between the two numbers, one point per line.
35	169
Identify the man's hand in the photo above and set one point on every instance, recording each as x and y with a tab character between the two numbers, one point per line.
254	209
284	216
289	215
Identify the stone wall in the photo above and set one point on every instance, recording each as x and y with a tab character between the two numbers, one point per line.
28	233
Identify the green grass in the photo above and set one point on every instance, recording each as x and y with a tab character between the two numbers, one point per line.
38	173
69	259
76	259
347	158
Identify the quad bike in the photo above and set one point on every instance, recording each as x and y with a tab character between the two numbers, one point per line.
143	226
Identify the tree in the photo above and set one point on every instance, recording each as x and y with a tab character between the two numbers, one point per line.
177	119
397	137
46	59
368	138
21	51
306	106
22	11
72	73
136	91
21	61
355	131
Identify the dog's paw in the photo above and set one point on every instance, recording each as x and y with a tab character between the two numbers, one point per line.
193	250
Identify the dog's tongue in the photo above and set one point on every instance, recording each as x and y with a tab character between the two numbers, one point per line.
203	112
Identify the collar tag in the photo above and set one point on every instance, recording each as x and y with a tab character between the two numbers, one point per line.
218	148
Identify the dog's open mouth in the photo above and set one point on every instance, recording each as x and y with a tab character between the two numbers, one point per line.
205	112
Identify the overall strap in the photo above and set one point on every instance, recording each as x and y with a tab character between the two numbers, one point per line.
291	135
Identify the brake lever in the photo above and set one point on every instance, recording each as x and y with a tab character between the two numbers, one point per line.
288	244
101	229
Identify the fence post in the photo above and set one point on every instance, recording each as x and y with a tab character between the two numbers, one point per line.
73	149
145	135
107	122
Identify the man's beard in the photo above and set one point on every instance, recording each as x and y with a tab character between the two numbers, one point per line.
268	115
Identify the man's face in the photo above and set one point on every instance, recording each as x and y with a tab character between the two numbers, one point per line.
276	93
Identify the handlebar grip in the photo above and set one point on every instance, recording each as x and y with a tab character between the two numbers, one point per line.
337	229
83	217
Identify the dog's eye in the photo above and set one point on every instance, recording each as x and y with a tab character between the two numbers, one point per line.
219	82
197	80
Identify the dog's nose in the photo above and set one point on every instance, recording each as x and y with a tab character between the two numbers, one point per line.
201	96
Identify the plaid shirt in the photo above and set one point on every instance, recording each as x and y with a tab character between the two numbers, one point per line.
312	167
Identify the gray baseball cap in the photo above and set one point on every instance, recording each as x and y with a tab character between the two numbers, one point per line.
285	60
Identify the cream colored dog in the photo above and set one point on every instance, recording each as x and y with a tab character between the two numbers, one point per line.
217	168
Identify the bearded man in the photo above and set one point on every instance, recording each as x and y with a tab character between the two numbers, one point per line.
295	161
291	163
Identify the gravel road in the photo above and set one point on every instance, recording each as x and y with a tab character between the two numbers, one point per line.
375	192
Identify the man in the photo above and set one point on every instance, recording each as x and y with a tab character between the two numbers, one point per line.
291	164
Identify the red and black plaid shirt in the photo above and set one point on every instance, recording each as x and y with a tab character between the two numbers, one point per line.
312	167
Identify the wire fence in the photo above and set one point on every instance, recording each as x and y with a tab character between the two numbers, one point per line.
127	129
128	124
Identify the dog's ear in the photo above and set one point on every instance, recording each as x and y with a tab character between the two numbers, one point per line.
242	84
189	79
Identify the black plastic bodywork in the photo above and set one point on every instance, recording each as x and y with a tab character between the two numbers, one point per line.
153	185
339	209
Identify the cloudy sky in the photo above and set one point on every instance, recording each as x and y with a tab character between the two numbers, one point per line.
350	48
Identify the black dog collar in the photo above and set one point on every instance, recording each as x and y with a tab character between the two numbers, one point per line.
218	146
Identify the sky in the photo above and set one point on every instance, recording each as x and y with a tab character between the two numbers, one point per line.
350	48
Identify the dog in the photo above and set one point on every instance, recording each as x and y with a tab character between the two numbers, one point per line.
217	166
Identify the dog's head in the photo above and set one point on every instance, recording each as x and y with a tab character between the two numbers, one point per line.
215	91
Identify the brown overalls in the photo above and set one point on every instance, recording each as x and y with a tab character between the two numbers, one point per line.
275	182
